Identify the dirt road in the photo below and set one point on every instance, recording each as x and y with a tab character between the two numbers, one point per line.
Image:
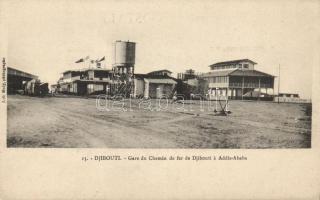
76	122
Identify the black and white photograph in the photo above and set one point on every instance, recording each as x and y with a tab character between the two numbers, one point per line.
171	99
225	77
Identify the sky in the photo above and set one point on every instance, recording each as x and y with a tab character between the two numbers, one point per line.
46	37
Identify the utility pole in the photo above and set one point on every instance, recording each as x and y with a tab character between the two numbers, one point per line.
279	85
259	90
242	86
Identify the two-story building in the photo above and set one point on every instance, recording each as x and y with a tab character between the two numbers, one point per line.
237	79
84	81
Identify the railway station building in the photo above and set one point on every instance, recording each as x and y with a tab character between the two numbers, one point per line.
237	79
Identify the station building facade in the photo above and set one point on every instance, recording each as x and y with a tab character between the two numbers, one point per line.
237	79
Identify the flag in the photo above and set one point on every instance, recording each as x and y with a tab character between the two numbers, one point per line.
79	61
82	59
102	59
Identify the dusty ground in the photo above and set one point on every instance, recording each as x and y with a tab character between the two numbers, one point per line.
75	122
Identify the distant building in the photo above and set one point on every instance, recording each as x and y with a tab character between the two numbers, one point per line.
290	98
237	79
189	77
188	74
288	95
190	83
54	88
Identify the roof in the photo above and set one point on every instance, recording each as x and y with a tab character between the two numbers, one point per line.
125	41
70	71
156	78
236	72
240	72
218	73
163	70
163	81
141	76
95	69
16	72
231	62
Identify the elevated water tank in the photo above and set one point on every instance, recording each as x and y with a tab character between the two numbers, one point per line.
125	53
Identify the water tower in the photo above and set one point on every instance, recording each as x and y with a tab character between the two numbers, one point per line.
124	59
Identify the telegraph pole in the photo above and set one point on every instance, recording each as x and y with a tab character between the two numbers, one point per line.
242	86
279	85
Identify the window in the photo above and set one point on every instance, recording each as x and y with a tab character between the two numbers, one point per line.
246	66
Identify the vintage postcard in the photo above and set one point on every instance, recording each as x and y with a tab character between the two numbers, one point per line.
159	99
